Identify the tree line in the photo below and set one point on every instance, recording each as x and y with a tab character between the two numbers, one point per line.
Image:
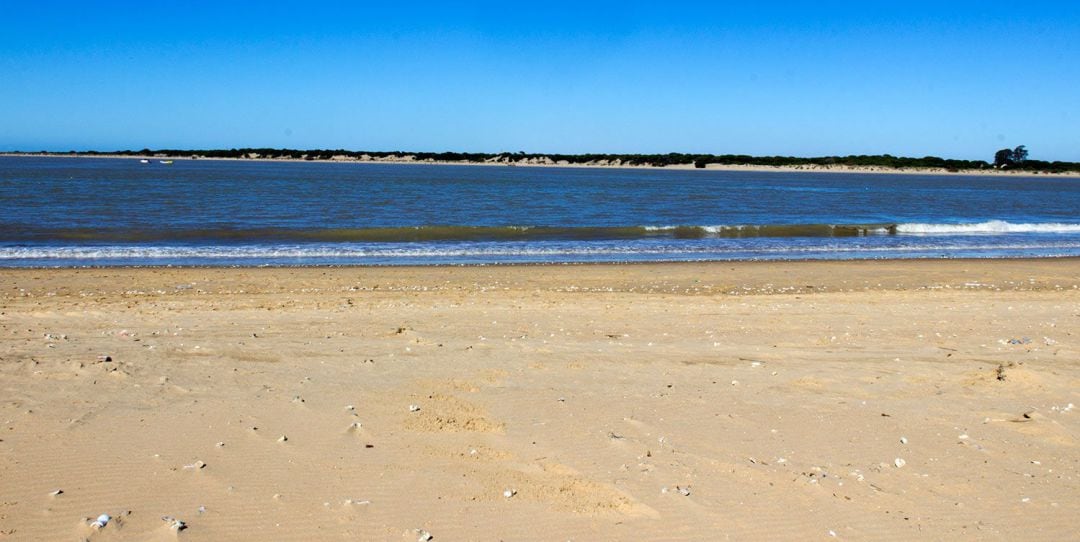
1004	159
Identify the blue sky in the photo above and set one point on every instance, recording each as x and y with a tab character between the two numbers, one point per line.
954	79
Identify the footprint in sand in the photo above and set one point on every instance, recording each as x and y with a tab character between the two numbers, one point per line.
447	413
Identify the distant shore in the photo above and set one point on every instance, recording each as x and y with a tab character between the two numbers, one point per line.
407	159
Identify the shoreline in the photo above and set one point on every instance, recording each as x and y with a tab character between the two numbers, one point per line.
642	263
877	170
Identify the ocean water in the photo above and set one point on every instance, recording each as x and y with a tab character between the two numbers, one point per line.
105	212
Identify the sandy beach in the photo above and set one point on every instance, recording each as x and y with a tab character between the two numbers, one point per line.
876	400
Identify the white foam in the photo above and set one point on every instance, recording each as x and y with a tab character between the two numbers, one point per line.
990	227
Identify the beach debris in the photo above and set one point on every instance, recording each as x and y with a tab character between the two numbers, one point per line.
1048	341
101	521
355	426
56	492
509	493
422	535
103	358
1065	408
1028	416
414	408
350	408
298	399
1021	340
832	533
734	382
899	462
351	502
175	524
903	440
220	445
202	510
683	490
198	465
999	373
283	438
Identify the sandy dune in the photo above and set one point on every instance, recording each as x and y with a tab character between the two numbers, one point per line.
873	400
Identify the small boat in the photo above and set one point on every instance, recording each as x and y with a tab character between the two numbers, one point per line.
144	161
166	162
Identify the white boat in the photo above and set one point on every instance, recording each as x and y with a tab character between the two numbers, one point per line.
166	162
144	161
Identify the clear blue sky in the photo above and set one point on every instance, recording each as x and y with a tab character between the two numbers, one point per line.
954	79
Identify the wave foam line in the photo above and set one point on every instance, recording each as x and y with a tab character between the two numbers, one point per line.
499	250
989	227
15	233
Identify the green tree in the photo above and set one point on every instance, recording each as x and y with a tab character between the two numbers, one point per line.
1019	154
1003	157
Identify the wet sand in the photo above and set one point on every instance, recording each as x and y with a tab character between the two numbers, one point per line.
858	400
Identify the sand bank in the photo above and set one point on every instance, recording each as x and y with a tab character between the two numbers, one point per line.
808	168
866	400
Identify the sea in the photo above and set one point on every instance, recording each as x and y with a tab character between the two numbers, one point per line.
83	212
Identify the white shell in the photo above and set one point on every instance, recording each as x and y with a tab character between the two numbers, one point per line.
414	408
101	521
899	462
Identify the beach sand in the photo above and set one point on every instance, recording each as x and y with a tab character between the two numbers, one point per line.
878	400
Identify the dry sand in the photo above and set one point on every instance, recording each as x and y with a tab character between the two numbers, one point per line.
613	402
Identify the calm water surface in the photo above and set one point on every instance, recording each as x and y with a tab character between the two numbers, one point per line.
75	212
